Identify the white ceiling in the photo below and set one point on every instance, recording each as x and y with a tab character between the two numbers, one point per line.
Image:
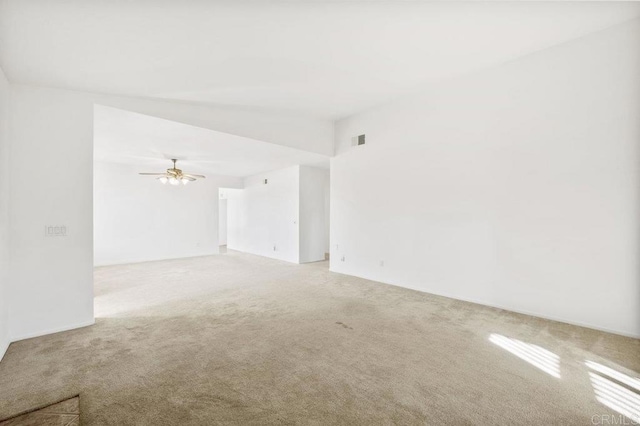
149	142
326	59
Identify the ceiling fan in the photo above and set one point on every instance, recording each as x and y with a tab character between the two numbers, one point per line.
174	176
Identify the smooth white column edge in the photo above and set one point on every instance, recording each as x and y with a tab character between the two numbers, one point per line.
3	350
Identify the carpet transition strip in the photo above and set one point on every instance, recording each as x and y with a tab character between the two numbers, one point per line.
63	413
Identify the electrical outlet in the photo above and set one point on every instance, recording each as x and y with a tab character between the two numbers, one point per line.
275	248
55	231
382	263
342	259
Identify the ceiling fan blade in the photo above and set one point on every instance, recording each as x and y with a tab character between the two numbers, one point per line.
194	176
152	174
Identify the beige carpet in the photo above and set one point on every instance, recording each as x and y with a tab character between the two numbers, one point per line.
239	339
63	413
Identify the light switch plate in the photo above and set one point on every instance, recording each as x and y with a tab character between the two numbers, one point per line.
55	231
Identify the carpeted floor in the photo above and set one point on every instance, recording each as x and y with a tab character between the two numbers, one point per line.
63	413
240	339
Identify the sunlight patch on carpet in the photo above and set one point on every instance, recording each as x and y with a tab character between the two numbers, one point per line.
535	355
616	390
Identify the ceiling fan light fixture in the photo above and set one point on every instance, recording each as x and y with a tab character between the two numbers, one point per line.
174	176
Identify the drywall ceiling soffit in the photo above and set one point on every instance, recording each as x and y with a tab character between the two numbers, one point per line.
324	59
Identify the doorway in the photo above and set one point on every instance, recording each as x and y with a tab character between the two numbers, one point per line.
222	221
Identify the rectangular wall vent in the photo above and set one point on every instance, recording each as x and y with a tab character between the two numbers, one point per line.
357	140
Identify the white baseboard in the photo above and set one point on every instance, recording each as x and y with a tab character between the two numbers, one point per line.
504	308
52	330
557	319
266	255
154	259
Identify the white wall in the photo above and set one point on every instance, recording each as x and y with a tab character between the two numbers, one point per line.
287	213
515	187
137	219
52	183
313	226
4	213
261	217
222	221
51	170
